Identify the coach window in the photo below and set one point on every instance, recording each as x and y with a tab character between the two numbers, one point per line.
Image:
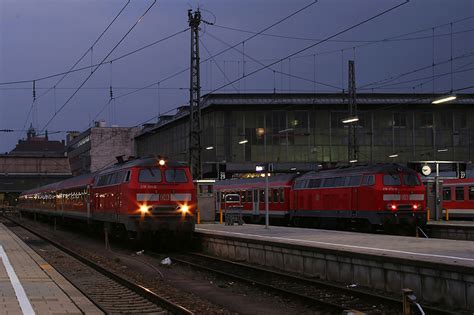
262	195
276	195
391	180
242	196
447	193
471	192
149	175
459	193
282	195
249	196
368	180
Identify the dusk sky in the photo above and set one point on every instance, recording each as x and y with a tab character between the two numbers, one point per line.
43	38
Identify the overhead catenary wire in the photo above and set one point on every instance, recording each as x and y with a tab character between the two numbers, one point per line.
97	64
315	44
282	73
227	49
95	69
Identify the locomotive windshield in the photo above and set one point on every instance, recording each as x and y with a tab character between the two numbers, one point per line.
391	180
411	180
176	176
149	175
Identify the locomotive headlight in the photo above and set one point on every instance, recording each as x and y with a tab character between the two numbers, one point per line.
184	209
144	209
162	162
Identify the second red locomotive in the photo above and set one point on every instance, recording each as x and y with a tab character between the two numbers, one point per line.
368	196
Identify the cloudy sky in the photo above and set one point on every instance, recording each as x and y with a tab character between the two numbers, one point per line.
393	53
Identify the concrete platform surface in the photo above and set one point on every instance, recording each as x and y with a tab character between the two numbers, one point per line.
451	252
29	285
455	223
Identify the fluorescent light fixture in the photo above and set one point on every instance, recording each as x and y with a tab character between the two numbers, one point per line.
393	156
286	130
443	150
353	161
444	99
293	169
244	141
259	168
349	120
210	147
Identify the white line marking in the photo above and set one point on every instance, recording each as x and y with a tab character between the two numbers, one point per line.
25	305
342	245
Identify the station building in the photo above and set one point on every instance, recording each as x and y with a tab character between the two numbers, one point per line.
303	131
34	162
98	147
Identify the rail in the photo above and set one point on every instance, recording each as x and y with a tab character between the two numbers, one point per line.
138	289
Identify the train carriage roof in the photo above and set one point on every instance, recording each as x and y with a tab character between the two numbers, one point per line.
258	182
387	168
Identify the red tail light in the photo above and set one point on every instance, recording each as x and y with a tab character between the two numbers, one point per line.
392	207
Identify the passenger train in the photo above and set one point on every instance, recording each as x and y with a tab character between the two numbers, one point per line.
366	196
458	198
141	195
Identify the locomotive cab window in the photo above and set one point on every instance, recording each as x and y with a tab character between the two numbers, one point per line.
176	176
127	177
391	180
447	193
459	193
149	175
411	180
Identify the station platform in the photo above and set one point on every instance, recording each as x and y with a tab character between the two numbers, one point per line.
420	249
440	271
453	229
29	285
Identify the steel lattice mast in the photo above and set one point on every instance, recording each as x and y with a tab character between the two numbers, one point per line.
353	152
195	98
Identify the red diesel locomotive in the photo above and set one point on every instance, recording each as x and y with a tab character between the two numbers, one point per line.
141	195
382	194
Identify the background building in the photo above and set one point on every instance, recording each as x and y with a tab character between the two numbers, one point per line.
98	147
34	162
304	130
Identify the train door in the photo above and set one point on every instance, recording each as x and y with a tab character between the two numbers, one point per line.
256	202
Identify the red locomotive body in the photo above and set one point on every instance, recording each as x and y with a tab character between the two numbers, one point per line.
379	195
139	195
458	198
383	194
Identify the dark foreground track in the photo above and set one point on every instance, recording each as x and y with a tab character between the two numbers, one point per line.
329	298
109	291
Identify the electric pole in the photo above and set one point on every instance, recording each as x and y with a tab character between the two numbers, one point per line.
353	152
194	20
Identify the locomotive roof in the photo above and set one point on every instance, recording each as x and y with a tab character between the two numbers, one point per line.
145	162
385	168
87	179
284	179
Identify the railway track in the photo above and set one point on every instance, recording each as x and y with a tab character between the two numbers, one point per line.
330	298
109	291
